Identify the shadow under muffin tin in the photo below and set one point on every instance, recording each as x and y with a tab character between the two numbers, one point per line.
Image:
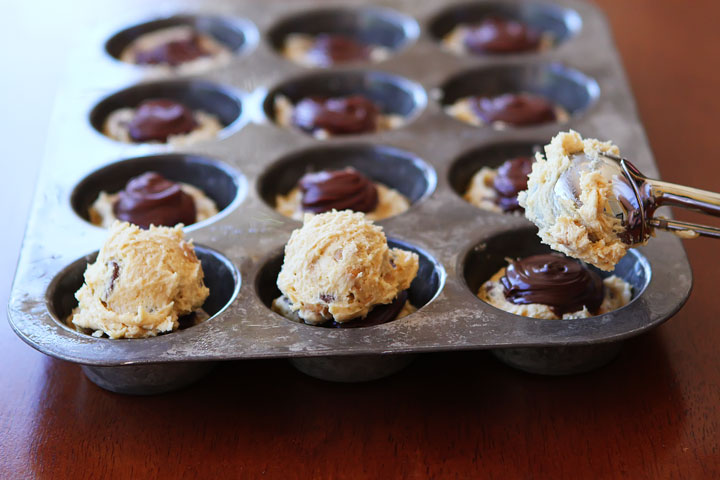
430	159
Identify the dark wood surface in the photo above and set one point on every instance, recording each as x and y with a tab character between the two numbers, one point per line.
652	413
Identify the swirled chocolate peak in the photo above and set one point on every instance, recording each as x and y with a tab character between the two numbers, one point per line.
338	116
501	35
563	284
173	53
377	316
157	119
345	189
511	178
514	109
150	198
329	49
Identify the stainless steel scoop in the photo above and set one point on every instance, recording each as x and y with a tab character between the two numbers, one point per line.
636	197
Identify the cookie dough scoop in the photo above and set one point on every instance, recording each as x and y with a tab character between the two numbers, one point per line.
589	203
634	198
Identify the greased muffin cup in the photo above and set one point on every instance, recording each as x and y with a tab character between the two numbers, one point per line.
429	159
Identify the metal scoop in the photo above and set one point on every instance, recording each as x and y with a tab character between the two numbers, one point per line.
636	197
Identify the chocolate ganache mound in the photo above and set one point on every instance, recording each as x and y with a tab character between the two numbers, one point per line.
157	119
563	284
377	316
511	178
340	190
343	115
500	35
173	53
152	199
514	109
329	49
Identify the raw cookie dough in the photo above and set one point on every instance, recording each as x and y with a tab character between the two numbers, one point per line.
480	192
463	110
582	231
339	266
283	306
208	126
297	46
617	294
284	114
140	284
101	211
390	202
219	54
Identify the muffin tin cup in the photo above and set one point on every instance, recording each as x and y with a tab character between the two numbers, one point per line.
149	379
352	369
565	87
375	26
238	35
224	186
198	95
392	167
559	360
485	260
560	22
395	94
430	159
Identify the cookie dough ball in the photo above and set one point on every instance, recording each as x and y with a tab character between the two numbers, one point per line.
140	284
338	266
507	110
149	199
496	189
554	287
579	228
347	189
326	50
161	120
324	117
181	48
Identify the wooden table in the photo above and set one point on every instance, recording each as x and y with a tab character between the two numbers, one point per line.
652	413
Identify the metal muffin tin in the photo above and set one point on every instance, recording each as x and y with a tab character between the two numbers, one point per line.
430	159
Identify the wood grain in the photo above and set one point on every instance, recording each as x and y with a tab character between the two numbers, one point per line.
652	413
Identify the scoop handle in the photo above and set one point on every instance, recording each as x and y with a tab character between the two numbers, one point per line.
690	229
670	194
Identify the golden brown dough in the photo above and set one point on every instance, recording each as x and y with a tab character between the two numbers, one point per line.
585	232
338	266
141	282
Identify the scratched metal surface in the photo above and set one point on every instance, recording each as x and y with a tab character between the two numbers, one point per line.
251	232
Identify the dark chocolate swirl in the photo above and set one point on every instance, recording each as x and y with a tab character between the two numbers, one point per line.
514	109
338	116
561	283
157	119
152	199
511	179
328	49
378	315
173	53
501	35
340	190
